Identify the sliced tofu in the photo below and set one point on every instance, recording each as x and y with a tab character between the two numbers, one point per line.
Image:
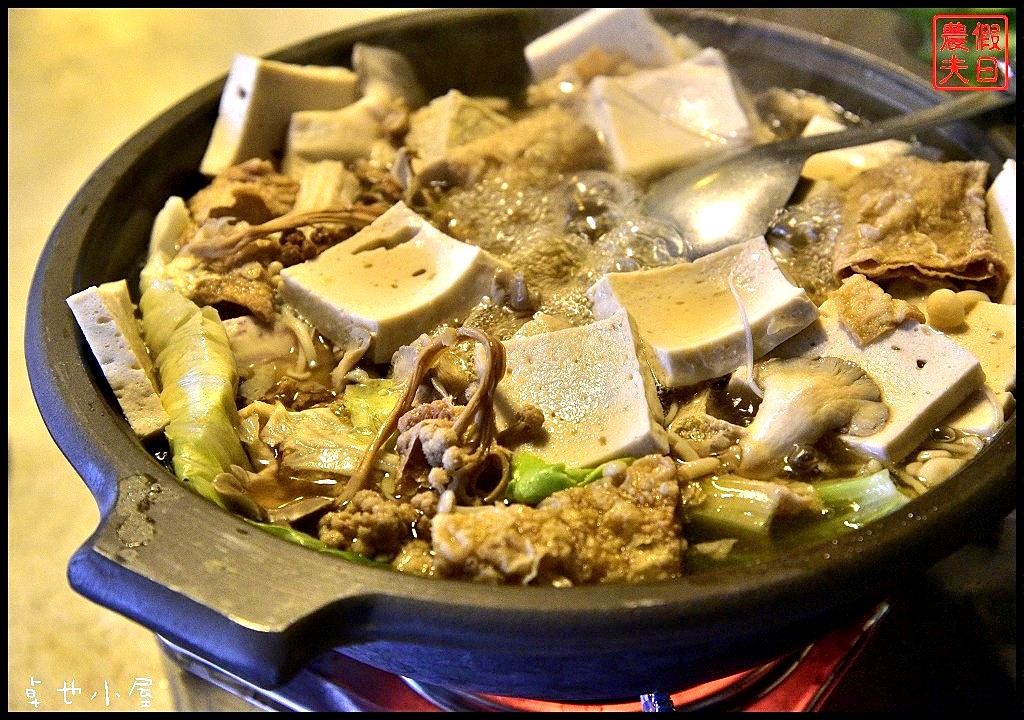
691	320
990	332
106	315
632	32
923	375
655	120
1002	222
839	166
257	103
596	392
394	280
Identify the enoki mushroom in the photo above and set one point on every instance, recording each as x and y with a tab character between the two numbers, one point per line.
473	427
352	217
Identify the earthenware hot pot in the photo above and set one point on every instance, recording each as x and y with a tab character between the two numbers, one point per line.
260	607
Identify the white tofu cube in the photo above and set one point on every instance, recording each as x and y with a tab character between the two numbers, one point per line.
1002	222
693	317
596	392
628	31
106	315
990	332
394	280
257	103
653	121
923	376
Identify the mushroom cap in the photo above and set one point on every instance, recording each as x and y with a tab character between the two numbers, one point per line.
805	398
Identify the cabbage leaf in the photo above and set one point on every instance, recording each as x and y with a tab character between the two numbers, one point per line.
847	505
199	379
327	439
370	402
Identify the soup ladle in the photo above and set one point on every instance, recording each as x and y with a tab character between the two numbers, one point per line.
735	196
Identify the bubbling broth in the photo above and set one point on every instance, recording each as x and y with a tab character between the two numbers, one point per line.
443	334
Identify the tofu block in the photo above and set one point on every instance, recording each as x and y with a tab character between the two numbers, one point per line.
653	121
688	316
1001	211
990	332
839	166
394	280
106	315
923	375
632	32
595	390
257	103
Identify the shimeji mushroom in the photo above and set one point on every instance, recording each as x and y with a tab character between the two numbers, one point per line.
804	398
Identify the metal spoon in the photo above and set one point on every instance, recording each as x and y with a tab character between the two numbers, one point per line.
735	197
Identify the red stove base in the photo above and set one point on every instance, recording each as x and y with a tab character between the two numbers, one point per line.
336	683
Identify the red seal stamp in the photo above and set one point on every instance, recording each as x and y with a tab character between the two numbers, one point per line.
970	52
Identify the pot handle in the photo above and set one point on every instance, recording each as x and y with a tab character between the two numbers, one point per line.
255	605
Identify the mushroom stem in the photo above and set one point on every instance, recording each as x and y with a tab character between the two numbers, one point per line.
479	409
341	216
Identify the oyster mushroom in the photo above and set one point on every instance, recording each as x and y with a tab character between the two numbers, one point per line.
804	398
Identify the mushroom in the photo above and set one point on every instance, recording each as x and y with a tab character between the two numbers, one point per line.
804	398
386	73
457	444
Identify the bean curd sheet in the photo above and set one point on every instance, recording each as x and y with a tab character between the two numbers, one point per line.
395	333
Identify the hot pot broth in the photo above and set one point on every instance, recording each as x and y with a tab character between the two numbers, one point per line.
488	432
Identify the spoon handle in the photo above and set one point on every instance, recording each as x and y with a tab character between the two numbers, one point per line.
967	104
